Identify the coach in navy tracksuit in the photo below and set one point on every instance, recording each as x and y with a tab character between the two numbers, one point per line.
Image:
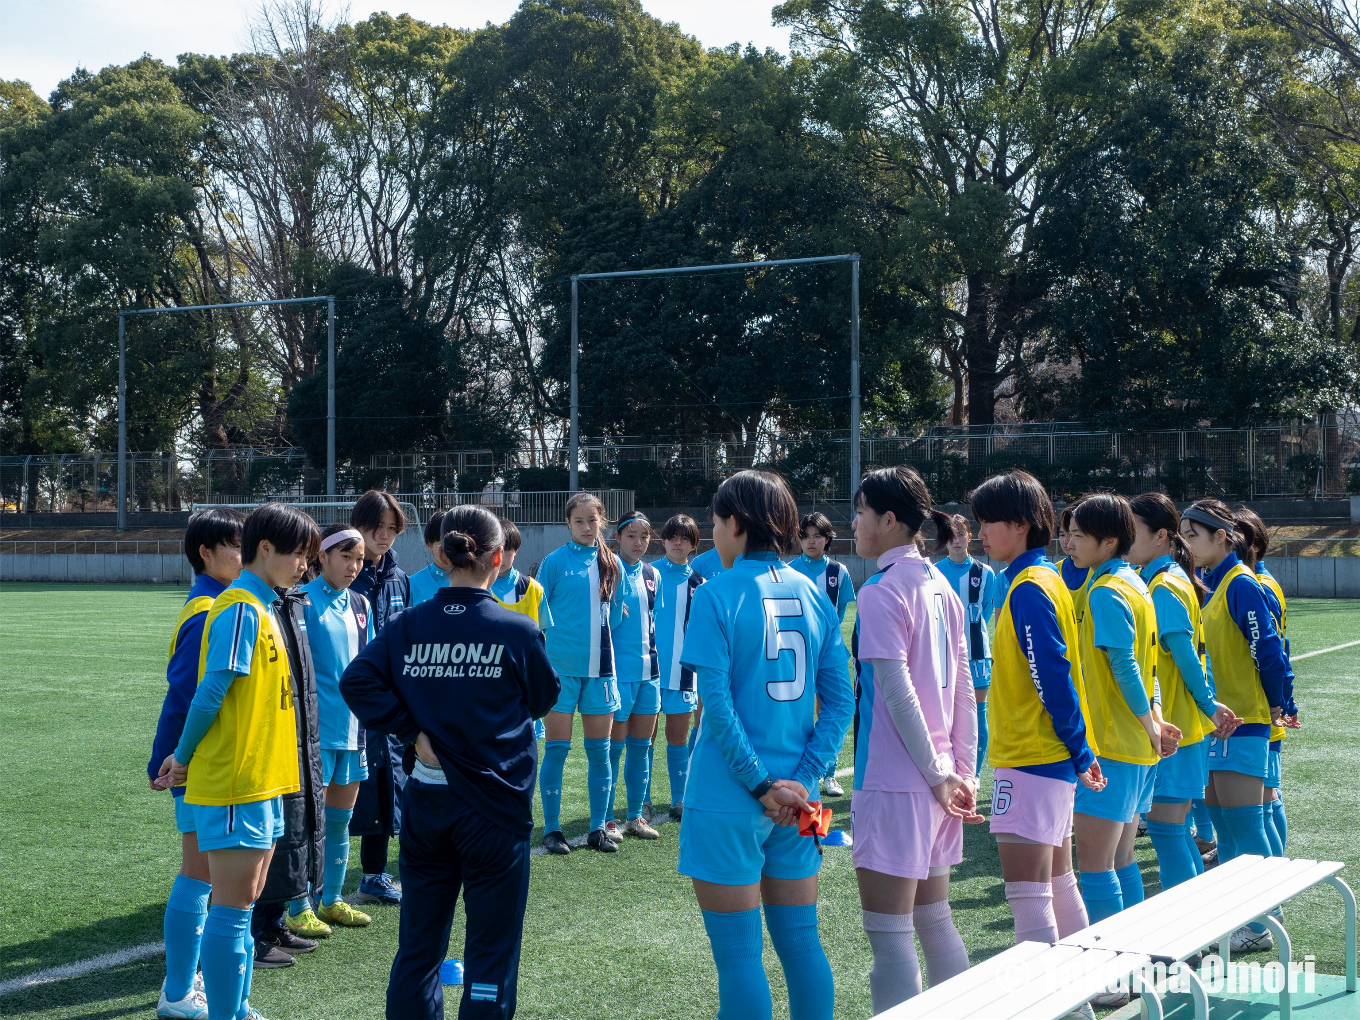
460	680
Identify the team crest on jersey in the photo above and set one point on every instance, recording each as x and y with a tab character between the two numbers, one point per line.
361	619
975	581
831	581
651	585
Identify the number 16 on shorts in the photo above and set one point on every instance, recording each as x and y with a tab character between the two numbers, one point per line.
1001	796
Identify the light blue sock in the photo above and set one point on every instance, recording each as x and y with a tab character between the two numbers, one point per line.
1191	847
812	990
615	773
1248	827
337	852
677	766
1227	849
248	943
651	768
638	773
982	735
1175	856
1130	883
1102	893
298	905
225	960
1272	834
185	914
737	943
599	780
550	783
1204	823
1281	826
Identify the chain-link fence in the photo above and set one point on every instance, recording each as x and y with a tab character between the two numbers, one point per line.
1303	460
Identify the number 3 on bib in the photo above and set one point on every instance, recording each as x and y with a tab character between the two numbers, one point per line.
779	641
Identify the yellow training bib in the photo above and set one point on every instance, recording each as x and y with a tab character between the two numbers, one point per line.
192	608
1237	681
1021	729
1178	707
250	751
1116	730
1277	732
529	602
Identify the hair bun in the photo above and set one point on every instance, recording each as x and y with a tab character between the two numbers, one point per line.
460	542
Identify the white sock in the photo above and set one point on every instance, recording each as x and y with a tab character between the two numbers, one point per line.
896	973
940	942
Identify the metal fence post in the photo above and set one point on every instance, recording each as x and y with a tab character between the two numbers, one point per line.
122	425
854	376
573	467
330	398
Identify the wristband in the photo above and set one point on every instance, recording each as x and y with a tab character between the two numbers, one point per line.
762	788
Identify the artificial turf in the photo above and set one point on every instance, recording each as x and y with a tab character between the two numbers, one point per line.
88	852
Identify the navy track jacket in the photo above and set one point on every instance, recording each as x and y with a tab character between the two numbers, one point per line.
473	677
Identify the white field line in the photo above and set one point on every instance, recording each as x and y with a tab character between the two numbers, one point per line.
74	970
1323	651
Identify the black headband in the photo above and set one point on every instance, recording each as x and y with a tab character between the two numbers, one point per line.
1211	521
629	518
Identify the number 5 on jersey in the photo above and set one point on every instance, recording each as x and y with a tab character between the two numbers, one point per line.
778	641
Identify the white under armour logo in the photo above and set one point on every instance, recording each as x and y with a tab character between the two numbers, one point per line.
241	970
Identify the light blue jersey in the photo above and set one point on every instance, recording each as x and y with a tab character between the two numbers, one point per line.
766	645
975	585
231	636
831	577
708	564
339	625
426	582
577	626
636	601
672	617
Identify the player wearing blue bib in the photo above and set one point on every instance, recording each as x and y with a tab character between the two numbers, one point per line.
339	626
975	584
579	581
212	545
679	687
424	583
764	643
636	601
708	564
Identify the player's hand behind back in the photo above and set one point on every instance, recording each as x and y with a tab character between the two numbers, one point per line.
786	801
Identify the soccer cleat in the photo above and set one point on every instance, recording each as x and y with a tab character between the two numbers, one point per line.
556	843
1082	1012
676	812
1211	858
270	957
599	840
254	1014
1109	1000
832	788
343	914
288	942
193	1006
308	925
1244	940
648	812
639	828
612	830
1142	827
381	888
1205	845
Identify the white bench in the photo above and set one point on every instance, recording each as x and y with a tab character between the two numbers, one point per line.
1178	923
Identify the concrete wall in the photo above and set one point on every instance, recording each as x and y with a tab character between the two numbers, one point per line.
98	568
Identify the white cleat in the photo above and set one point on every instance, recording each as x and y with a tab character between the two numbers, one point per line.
193	1006
832	788
1244	940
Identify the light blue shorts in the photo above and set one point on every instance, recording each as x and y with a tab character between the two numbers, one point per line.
254	826
1248	755
737	848
1184	775
343	767
1127	794
184	815
540	731
1273	765
638	697
679	702
981	669
589	695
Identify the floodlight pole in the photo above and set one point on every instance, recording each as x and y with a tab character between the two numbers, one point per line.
122	383
575	436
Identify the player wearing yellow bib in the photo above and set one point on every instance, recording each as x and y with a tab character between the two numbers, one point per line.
238	753
1074	577
1167	566
518	592
1117	636
1039	746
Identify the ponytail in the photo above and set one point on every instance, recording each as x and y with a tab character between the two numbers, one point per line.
903	491
608	562
1254	534
1156	510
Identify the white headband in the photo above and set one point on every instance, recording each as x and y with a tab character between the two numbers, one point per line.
340	536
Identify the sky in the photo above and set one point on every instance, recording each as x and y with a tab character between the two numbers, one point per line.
43	41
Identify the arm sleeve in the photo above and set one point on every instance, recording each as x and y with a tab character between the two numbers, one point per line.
541	679
847	593
963	734
1036	628
1181	645
181	674
1249	609
366	686
546	573
893	678
720	719
202	711
1130	680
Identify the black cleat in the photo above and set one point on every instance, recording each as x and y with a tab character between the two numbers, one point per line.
270	957
599	840
676	812
288	942
648	813
556	843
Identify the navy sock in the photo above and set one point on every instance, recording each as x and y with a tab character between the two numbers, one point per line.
550	782
1176	855
1227	849
225	960
185	914
677	766
637	773
1248	828
793	931
337	852
737	943
1102	893
1130	883
615	773
599	780
1204	823
982	735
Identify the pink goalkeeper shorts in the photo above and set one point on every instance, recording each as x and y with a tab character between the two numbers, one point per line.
903	834
1031	806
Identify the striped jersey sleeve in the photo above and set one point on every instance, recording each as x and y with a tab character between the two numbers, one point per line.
231	639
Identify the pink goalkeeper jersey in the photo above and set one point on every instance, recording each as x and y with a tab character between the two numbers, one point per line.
909	612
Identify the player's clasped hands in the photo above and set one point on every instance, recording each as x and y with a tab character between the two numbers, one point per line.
1093	778
786	801
1170	738
172	773
1225	720
958	796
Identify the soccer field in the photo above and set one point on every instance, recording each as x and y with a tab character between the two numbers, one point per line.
87	852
